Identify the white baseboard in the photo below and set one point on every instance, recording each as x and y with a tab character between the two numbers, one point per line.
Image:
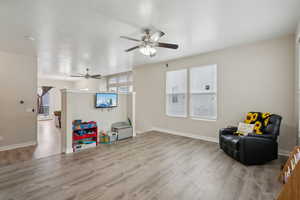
282	152
69	151
141	132
15	146
190	135
205	138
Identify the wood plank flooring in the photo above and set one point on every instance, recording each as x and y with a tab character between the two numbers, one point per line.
153	166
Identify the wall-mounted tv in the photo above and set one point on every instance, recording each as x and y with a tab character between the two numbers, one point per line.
106	100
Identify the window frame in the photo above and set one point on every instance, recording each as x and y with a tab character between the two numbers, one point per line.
188	95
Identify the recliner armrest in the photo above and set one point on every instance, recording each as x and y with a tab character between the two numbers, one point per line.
227	131
257	149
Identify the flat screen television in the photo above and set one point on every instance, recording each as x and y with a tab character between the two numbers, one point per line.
106	100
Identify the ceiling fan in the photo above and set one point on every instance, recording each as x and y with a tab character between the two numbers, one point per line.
87	75
149	41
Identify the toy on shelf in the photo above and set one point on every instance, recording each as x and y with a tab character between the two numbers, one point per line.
85	135
108	137
104	138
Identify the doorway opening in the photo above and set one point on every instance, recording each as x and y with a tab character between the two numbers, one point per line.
48	122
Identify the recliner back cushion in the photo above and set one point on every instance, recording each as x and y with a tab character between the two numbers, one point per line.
273	125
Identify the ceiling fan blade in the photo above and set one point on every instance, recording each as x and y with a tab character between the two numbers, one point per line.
77	76
156	35
96	76
167	45
131	49
129	38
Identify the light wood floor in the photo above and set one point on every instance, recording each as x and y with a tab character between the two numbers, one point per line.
152	166
49	143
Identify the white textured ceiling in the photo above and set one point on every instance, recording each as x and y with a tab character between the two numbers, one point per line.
71	35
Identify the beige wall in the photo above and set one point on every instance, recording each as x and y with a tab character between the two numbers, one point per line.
91	84
55	93
18	81
81	105
253	77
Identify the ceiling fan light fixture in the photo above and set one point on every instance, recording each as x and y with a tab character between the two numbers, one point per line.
149	41
148	50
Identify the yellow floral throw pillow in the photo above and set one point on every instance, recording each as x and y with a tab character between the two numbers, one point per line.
260	120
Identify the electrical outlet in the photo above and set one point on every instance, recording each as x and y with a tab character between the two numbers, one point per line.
1	138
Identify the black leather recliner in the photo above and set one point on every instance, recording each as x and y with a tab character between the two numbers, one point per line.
252	149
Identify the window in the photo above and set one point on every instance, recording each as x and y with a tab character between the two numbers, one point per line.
113	89
123	78
176	89
123	89
202	96
121	83
203	92
112	80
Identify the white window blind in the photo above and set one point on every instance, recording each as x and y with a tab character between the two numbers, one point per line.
176	93
203	92
123	89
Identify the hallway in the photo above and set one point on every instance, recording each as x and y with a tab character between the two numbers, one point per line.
48	139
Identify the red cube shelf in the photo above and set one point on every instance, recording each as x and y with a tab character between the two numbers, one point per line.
91	135
80	137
